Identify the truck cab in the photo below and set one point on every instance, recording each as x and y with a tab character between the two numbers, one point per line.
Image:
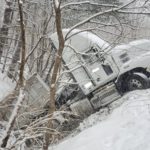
102	71
84	56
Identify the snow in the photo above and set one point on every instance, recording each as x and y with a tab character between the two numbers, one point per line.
76	36
140	45
56	3
125	125
127	128
139	42
88	35
13	115
20	2
6	86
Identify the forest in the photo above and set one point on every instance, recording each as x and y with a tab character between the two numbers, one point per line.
29	115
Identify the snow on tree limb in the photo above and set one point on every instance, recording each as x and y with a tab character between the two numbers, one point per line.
4	140
57	4
87	2
98	14
20	2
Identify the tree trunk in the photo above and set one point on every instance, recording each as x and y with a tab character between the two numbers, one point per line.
4	29
57	64
15	59
5	138
23	52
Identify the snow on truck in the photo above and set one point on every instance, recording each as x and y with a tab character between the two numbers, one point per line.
101	72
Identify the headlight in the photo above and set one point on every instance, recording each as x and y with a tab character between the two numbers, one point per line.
148	69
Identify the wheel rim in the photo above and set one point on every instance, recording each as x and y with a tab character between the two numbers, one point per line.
135	84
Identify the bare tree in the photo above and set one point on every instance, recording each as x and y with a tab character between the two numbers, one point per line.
35	51
7	19
55	70
12	119
111	10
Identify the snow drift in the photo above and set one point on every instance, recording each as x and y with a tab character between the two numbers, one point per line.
127	128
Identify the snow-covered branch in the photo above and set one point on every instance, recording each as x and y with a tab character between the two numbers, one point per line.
98	14
56	4
4	140
133	12
87	2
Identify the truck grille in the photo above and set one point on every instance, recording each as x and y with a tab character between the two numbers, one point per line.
105	97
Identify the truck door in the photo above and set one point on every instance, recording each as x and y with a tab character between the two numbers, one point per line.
100	66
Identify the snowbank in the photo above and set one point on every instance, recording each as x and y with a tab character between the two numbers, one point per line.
127	128
6	86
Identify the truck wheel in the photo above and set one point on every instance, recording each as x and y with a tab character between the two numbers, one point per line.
137	81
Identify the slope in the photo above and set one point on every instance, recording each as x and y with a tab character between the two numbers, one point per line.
127	128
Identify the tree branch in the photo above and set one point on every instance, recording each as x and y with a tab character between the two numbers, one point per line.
87	2
98	14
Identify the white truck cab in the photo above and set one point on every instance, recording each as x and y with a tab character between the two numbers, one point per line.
132	55
103	72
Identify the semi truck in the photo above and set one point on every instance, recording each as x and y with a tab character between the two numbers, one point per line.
102	73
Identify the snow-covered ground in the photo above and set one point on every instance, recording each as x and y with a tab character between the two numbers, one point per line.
126	128
6	86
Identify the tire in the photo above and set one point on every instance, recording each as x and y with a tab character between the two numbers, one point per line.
136	81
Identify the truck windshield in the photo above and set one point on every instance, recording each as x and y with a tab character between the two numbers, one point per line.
91	55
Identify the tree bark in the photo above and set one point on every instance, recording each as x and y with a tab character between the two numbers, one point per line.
23	40
8	13
3	142
58	59
5	138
